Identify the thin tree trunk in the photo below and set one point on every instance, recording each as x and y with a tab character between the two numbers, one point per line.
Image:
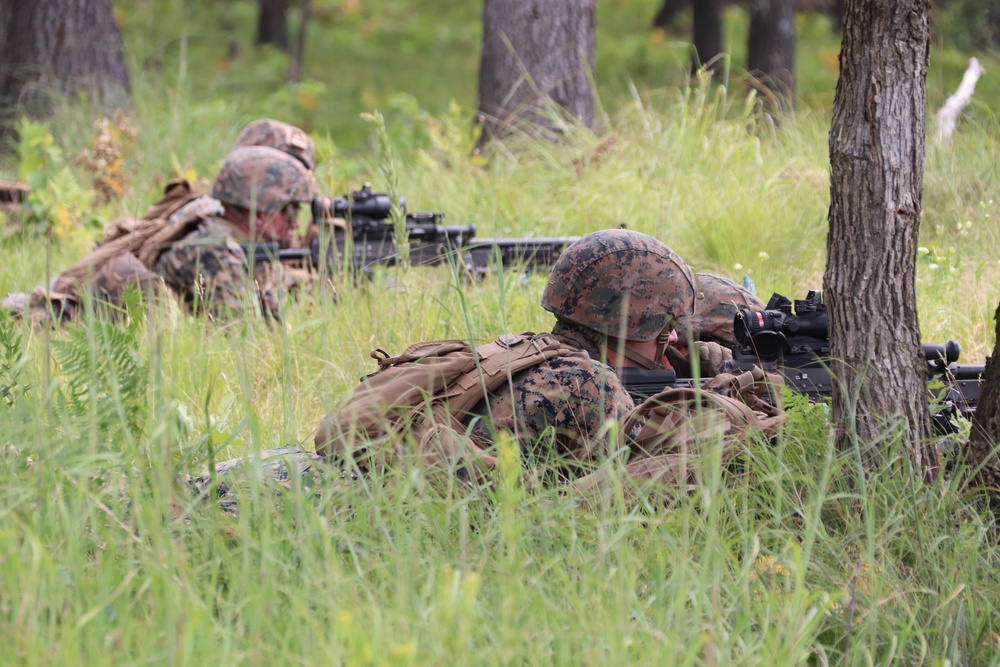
295	69
537	63
61	46
272	24
707	34
876	159
771	47
981	453
668	12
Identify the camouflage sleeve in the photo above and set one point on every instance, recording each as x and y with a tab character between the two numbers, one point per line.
572	398
208	276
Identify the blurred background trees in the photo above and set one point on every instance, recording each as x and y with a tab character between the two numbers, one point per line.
61	47
415	60
272	26
537	63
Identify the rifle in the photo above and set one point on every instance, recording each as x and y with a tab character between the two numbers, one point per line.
527	254
368	240
792	340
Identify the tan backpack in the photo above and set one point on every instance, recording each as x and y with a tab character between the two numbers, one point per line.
673	427
425	392
728	406
144	237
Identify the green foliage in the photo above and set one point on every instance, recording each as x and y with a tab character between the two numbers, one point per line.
106	373
387	169
57	202
796	556
970	25
12	360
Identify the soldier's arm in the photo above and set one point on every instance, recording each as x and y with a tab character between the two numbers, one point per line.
209	276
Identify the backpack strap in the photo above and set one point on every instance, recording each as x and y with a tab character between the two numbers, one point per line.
497	363
729	405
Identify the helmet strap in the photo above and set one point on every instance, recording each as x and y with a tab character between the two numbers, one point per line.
645	362
656	363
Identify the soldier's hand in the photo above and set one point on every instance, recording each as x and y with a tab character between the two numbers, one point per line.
712	355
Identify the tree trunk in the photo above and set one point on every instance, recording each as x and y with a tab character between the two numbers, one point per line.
272	25
839	8
668	12
66	46
707	34
537	64
981	454
298	55
876	181
771	47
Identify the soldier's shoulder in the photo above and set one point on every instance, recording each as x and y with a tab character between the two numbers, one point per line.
574	369
200	208
209	228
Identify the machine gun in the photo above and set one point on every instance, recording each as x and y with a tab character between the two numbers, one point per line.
357	227
791	339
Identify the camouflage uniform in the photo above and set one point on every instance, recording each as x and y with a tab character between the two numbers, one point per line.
181	204
282	467
284	137
716	307
710	327
615	283
558	409
208	271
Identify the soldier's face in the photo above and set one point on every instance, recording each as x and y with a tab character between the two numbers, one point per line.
281	226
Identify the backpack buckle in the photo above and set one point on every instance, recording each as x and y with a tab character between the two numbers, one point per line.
509	340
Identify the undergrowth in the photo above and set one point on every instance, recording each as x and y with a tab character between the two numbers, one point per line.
797	556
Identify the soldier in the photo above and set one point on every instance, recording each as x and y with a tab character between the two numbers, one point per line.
710	327
260	190
181	201
255	197
616	295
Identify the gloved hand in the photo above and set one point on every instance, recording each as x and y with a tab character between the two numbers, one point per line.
712	355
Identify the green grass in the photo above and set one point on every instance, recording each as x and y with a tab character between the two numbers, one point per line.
795	558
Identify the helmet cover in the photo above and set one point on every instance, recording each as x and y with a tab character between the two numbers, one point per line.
620	283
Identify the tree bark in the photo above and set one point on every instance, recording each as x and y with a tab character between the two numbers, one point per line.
537	63
272	24
981	453
707	34
771	47
668	12
298	55
876	181
62	46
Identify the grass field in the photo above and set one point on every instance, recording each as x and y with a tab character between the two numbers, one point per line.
106	558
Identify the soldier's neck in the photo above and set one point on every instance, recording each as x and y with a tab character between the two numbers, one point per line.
238	222
589	341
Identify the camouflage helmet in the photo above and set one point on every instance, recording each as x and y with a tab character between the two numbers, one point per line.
616	272
715	309
263	179
276	134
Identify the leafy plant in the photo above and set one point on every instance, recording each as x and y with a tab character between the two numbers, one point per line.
57	202
106	373
105	159
12	360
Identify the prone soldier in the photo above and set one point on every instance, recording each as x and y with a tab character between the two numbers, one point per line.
709	329
617	296
130	247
